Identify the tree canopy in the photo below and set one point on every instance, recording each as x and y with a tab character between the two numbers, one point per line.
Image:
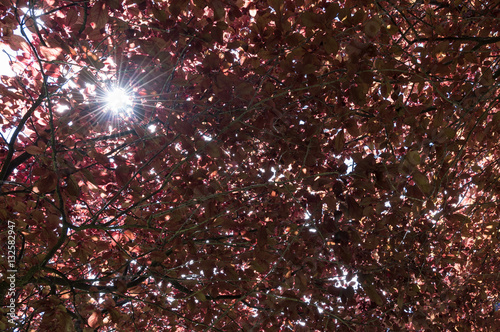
250	165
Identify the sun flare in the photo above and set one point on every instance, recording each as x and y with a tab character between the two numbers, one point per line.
118	100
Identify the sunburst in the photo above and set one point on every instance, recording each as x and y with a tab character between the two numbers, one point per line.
118	100
125	91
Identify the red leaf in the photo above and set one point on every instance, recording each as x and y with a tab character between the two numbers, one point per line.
34	150
339	142
422	182
121	286
98	15
46	184
95	319
331	46
218	8
51	53
18	43
413	157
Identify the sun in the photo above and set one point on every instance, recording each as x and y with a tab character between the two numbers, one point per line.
118	100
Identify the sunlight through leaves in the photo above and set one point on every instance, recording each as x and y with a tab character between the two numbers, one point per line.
118	100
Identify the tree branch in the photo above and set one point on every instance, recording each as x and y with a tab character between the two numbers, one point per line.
7	168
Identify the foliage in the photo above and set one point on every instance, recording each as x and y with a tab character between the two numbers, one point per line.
283	165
